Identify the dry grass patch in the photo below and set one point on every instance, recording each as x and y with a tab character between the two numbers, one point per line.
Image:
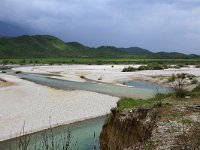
4	83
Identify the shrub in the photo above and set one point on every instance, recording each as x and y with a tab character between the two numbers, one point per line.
5	62
165	66
82	77
180	82
197	88
172	78
18	72
177	67
100	78
129	69
194	81
146	67
22	62
155	67
143	68
180	92
197	66
152	67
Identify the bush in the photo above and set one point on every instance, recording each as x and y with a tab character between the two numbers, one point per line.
180	92
82	77
129	69
197	88
166	66
155	67
176	67
18	72
197	66
180	82
143	68
100	78
172	78
194	81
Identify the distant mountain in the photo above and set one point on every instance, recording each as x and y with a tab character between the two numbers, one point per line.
41	46
137	51
32	46
130	50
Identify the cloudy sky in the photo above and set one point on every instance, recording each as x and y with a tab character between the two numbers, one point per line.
158	25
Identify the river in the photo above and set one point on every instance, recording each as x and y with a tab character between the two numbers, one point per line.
84	135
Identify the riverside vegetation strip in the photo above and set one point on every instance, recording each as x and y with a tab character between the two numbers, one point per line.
167	121
96	60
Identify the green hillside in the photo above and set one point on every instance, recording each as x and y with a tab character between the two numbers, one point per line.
32	46
45	46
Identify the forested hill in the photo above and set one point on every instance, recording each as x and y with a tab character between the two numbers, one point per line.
45	46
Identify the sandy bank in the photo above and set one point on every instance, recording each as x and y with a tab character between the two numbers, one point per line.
4	83
37	106
106	73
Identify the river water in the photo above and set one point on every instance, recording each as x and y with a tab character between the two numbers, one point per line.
84	135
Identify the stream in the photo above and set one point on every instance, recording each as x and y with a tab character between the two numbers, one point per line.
84	135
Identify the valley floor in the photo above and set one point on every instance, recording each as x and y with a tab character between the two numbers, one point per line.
36	107
107	73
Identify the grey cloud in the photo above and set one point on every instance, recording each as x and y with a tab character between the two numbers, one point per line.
169	25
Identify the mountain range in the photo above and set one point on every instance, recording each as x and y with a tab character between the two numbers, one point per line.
46	46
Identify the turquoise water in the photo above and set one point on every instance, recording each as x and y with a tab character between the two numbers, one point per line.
109	89
85	134
148	85
82	136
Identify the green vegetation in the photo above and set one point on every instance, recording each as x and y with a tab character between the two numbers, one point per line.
196	89
174	124
97	60
197	66
127	103
45	46
177	92
129	69
18	72
82	77
180	82
152	66
194	81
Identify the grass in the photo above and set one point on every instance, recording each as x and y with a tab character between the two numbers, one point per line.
175	124
98	61
197	88
2	80
129	103
176	114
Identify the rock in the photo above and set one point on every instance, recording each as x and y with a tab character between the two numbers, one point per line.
188	97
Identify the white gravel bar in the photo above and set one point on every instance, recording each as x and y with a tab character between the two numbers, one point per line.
38	107
106	73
